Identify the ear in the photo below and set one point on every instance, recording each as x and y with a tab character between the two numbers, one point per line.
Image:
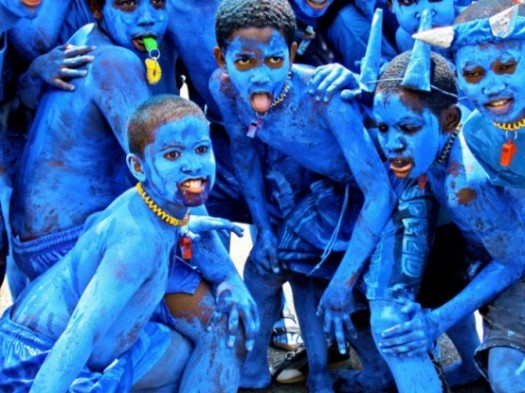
219	57
135	167
293	52
450	118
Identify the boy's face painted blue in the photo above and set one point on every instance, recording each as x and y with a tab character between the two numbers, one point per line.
409	139
408	13
257	61
491	76
313	8
129	21
179	164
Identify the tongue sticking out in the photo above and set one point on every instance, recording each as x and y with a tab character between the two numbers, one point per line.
261	102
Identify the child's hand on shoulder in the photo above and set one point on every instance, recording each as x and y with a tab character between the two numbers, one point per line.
331	78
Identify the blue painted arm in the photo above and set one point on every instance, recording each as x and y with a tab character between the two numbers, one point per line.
419	334
55	68
231	295
336	303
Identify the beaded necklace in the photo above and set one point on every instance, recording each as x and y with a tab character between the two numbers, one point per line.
255	124
509	148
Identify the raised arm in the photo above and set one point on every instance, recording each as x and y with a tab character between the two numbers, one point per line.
347	125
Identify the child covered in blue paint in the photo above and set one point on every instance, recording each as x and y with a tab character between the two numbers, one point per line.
489	216
85	323
264	98
408	14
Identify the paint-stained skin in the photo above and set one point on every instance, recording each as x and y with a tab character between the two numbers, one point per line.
11	11
466	195
325	136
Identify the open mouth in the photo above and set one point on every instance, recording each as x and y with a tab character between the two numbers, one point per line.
31	3
500	106
401	166
138	42
261	102
194	186
317	4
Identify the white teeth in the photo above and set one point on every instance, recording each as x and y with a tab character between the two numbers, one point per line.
193	183
498	103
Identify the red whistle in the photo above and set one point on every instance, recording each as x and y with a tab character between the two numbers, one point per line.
508	150
185	247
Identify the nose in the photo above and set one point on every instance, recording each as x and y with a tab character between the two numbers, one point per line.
146	17
191	165
259	76
425	5
394	142
492	85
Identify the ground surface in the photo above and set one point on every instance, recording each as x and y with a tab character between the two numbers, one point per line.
240	249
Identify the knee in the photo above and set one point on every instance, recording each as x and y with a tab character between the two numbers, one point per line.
384	314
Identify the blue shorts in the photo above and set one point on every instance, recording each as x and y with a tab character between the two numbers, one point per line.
22	352
311	229
35	257
503	324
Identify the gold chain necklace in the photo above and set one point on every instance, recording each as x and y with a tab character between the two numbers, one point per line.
510	126
448	146
158	210
255	124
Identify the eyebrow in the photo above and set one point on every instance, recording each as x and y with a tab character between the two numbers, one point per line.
169	145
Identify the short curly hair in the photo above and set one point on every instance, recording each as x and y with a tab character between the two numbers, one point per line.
152	114
441	76
233	15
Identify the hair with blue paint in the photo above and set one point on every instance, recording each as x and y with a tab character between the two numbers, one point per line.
233	15
441	77
485	9
152	114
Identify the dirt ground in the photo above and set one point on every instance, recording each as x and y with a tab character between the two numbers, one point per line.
240	249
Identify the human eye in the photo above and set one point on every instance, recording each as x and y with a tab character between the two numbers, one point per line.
202	149
409	129
382	128
474	75
125	5
172	155
406	2
158	3
243	63
275	61
506	68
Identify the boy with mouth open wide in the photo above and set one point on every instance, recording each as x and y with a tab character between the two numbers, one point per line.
85	325
264	98
74	165
419	134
